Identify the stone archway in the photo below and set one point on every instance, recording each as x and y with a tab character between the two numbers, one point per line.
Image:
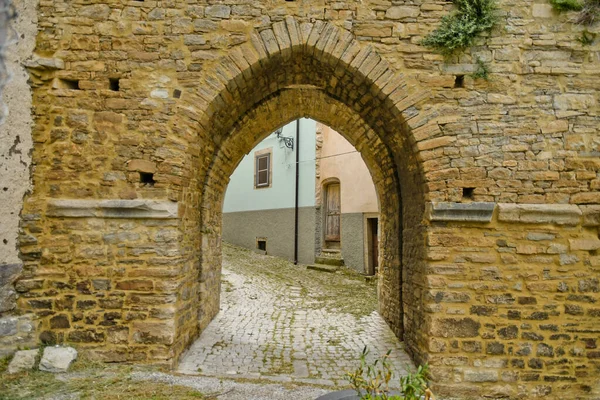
134	103
317	71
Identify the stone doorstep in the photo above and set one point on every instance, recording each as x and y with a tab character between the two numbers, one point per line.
337	262
323	268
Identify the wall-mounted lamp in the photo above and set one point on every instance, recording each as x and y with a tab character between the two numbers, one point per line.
287	141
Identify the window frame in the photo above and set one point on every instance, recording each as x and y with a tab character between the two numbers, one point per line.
258	155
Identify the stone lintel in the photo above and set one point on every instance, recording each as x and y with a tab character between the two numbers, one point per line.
559	214
461	212
146	209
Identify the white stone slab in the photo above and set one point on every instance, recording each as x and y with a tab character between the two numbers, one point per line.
145	209
461	212
57	359
23	360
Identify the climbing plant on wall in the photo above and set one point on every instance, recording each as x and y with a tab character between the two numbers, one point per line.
458	30
589	10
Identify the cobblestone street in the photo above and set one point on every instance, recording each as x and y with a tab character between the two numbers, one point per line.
286	323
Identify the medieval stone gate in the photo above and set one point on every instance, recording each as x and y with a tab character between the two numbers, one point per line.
488	189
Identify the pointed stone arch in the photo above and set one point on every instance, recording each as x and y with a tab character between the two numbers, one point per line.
291	70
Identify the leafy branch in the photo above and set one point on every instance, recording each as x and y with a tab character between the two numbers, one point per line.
459	29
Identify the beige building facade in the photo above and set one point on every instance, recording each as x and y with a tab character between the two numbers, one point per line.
339	166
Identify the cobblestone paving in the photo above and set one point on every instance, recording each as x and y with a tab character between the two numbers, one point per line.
286	323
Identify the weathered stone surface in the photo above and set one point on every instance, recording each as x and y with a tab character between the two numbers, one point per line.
147	209
591	215
455	327
197	87
584	244
8	326
8	275
57	359
560	214
463	212
23	360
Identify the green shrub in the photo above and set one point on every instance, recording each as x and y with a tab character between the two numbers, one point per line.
566	5
590	12
459	29
372	381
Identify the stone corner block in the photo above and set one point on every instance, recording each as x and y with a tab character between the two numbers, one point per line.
559	214
146	209
460	212
591	215
57	359
23	360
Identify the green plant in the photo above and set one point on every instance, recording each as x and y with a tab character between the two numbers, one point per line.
371	381
459	29
482	71
587	38
589	10
566	5
414	386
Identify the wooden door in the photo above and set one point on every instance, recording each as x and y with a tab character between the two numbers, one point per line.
332	213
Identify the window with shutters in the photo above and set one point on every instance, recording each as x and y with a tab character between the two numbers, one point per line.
262	169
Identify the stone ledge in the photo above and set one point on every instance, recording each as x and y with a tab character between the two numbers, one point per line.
559	214
147	209
461	212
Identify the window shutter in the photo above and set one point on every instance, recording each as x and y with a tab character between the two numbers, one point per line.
262	170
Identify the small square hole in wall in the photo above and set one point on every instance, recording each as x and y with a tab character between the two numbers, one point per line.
114	84
177	93
71	84
261	244
147	178
468	193
459	81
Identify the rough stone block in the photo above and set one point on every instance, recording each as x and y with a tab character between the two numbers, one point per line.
23	360
584	244
478	375
455	327
559	214
57	359
8	326
542	11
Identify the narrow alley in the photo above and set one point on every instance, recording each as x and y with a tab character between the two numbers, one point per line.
286	323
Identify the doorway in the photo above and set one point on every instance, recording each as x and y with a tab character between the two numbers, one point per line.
372	232
332	216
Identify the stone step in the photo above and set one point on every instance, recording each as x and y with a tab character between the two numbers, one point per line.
329	261
331	253
322	267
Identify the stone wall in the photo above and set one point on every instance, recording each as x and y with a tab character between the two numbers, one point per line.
15	162
152	101
277	228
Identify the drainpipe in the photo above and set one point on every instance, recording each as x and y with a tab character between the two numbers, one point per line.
297	191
